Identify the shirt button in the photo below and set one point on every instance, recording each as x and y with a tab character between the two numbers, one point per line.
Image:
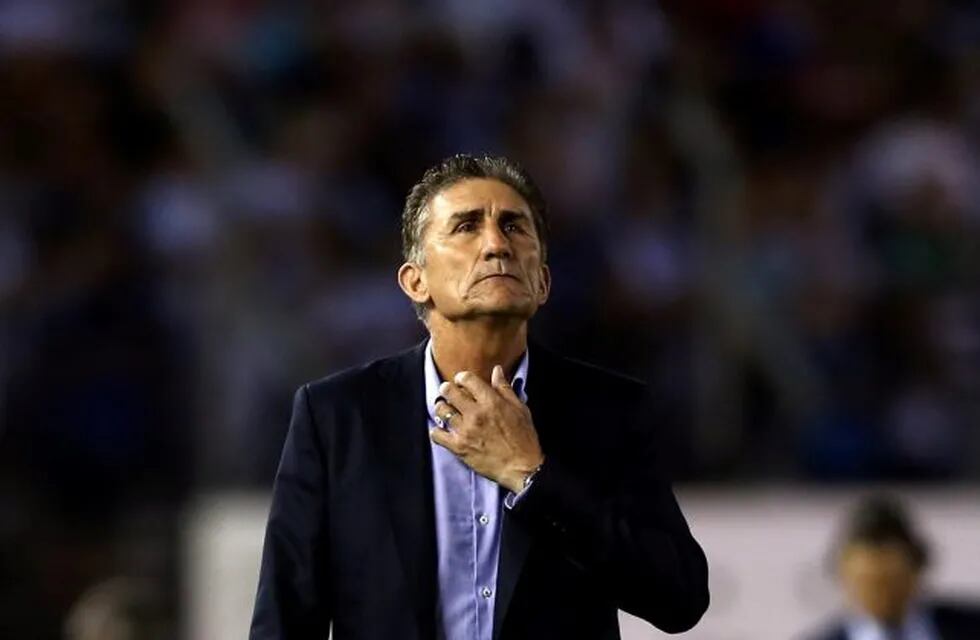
484	519
486	593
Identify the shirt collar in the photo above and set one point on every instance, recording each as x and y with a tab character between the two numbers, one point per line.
432	380
915	626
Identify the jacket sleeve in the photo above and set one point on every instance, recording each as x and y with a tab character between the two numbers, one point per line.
293	602
631	536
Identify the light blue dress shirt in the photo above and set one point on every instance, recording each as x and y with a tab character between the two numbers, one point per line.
469	519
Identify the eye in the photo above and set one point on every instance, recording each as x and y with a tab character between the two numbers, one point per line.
511	227
465	227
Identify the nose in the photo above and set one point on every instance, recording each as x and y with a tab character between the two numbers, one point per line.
496	244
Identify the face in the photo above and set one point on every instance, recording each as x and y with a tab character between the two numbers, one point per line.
482	255
880	580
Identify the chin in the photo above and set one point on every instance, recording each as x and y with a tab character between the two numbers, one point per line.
523	309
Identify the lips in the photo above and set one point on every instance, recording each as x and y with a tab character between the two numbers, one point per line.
497	275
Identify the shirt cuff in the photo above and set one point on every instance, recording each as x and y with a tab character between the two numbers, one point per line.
511	499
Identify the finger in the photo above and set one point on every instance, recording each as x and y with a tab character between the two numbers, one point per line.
457	396
445	439
497	377
445	413
501	384
476	386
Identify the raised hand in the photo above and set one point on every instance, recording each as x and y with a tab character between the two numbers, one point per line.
489	428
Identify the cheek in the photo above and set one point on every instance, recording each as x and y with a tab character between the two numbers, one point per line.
446	274
536	275
532	263
443	265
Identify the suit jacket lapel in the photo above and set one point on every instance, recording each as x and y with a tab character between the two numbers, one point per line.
515	542
407	468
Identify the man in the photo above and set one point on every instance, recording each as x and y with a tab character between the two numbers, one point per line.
880	562
418	496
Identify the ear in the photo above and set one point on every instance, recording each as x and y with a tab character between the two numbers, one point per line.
544	285
411	278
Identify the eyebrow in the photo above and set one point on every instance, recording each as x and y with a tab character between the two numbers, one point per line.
508	215
463	216
472	214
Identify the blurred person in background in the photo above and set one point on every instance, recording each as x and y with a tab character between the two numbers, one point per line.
881	562
120	608
476	486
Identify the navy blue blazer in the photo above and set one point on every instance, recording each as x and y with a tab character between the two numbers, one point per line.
350	540
952	621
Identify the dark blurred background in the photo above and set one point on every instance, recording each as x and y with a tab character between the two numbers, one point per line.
768	209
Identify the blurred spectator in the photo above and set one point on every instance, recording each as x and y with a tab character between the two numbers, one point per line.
119	609
881	562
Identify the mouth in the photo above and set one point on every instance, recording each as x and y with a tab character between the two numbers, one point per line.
492	276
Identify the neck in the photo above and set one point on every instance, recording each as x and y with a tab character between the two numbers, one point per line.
477	345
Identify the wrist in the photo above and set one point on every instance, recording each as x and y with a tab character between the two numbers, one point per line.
522	478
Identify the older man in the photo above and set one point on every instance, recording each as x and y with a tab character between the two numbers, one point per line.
474	487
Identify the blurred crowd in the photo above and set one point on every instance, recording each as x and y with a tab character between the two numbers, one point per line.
767	209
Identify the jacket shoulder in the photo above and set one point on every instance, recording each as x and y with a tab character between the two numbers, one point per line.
586	374
954	616
349	382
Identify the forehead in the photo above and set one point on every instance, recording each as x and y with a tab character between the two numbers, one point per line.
876	553
472	194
